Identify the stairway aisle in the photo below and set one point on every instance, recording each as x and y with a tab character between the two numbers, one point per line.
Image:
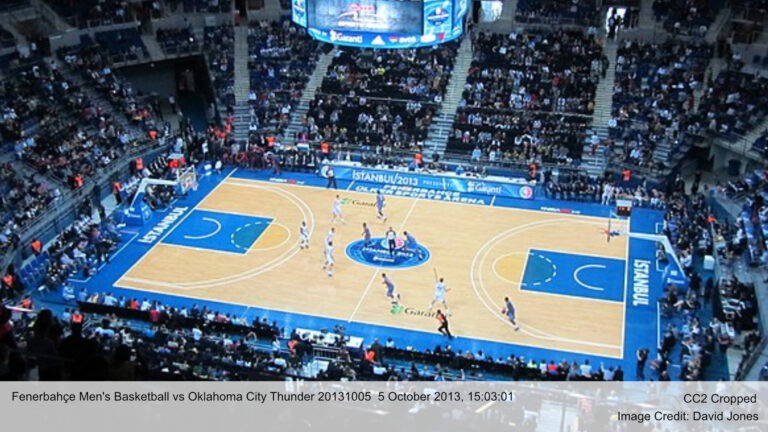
313	85
156	52
100	101
242	75
596	164
442	123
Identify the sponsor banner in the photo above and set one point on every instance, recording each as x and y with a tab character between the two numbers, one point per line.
559	210
422	193
286	180
380	40
467	185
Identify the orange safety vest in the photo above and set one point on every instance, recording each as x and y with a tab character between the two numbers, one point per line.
418	158
370	356
626	175
324	148
76	317
153	135
139	164
117	187
37	246
78	181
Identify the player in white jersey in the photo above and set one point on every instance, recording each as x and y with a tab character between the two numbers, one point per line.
336	211
304	235
439	297
329	259
331	234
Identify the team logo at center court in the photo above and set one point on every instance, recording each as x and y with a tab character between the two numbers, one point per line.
377	254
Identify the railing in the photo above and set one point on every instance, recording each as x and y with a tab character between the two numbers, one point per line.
10	5
751	359
376	98
738	144
325	352
525	111
516	168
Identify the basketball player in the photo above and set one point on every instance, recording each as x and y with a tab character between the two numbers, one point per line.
509	311
439	297
329	260
336	211
412	245
391	240
386	281
304	233
380	206
331	234
366	234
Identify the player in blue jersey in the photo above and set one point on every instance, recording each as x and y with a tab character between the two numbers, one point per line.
412	245
366	234
380	204
509	311
387	282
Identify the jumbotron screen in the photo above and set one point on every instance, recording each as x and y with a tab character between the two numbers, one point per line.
391	16
381	23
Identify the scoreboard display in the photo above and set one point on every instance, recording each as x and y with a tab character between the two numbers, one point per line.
381	23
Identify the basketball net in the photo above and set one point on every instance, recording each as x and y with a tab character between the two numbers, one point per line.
617	225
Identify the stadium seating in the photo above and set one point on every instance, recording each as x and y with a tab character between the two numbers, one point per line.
529	100
219	44
528	96
654	95
92	13
686	17
381	100
584	12
281	60
177	41
734	103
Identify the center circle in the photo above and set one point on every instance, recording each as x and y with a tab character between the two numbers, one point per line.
376	253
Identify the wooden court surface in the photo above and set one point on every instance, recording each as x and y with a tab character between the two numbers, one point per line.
479	250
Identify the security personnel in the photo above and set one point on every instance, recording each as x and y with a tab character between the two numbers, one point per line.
37	246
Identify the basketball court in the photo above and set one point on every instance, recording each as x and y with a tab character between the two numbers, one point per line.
236	242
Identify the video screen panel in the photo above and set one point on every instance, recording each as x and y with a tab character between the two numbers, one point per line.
299	12
438	17
374	16
460	9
